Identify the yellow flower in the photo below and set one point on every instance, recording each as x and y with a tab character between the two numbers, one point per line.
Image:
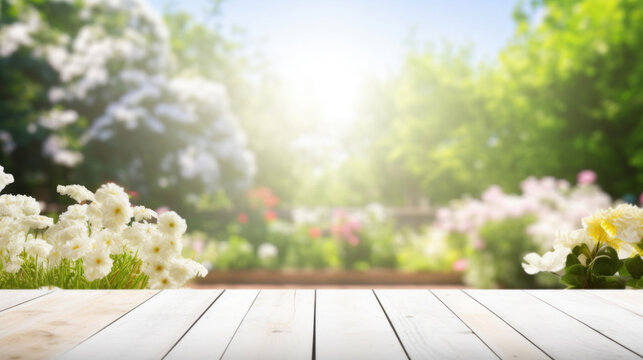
593	225
616	227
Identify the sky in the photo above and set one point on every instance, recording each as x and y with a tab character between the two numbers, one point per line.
372	30
325	50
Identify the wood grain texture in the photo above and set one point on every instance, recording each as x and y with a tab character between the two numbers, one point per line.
11	298
556	333
50	325
210	336
506	342
334	324
631	300
279	325
428	329
150	330
350	324
601	315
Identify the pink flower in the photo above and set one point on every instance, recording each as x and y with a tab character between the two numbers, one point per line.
162	210
314	232
352	239
460	265
492	194
586	177
242	218
198	245
270	215
478	243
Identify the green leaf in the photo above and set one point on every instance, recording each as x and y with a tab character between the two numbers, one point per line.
606	263
574	277
571	260
608	282
622	270
582	249
634	266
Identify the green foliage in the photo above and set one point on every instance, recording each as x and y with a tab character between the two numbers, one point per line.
235	253
126	274
135	151
495	265
564	96
601	269
377	243
305	253
428	250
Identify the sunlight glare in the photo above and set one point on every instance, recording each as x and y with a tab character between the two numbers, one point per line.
325	75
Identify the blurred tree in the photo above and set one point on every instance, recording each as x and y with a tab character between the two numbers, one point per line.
201	49
565	95
87	86
438	128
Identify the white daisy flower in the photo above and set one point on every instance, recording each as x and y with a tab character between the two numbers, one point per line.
36	221
110	190
142	213
157	248
97	264
77	248
76	192
162	281
116	212
112	241
75	212
38	248
170	223
5	179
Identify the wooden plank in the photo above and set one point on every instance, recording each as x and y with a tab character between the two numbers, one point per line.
279	325
150	330
210	336
506	342
632	300
11	298
350	324
556	333
428	329
601	315
52	324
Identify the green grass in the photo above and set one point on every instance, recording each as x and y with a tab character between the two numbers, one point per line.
126	274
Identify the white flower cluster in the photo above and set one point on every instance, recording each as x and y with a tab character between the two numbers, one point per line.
102	224
196	112
371	213
122	70
18	34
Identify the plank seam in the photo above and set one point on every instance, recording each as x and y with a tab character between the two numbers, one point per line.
110	324
464	323
238	326
28	300
582	322
610	301
194	323
505	321
315	326
391	324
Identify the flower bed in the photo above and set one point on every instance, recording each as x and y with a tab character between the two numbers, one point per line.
100	242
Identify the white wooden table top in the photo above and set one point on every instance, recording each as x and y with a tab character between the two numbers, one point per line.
321	324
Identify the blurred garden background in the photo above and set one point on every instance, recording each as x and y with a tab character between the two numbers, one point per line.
415	136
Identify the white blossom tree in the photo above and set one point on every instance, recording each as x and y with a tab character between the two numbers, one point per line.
88	88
